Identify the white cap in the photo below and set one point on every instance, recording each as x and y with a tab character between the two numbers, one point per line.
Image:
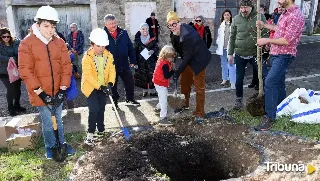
47	13
99	37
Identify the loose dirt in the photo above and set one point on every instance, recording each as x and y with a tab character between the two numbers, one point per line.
214	150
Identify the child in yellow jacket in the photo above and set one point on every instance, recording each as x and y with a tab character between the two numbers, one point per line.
98	77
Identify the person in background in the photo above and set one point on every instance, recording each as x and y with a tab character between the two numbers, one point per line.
61	35
143	75
9	51
154	26
45	68
161	79
76	42
204	31
72	90
228	70
99	75
120	46
277	13
264	11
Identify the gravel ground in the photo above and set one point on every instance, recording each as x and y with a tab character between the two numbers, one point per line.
305	64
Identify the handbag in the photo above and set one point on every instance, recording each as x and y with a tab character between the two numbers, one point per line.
13	70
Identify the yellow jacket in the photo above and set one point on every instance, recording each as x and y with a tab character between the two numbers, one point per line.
89	80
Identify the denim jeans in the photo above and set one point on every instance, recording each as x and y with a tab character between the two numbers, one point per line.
240	71
275	88
96	102
47	127
228	71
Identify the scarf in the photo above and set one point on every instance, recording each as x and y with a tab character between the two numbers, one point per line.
200	29
145	39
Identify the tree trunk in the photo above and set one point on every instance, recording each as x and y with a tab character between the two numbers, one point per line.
259	60
317	20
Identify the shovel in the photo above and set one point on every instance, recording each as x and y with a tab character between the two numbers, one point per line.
59	151
176	101
125	131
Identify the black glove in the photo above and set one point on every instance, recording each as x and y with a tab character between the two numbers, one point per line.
104	89
59	97
46	98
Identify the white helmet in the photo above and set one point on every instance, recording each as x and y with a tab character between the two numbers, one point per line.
99	37
47	13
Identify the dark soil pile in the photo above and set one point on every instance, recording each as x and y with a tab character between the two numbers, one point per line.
255	105
211	151
176	102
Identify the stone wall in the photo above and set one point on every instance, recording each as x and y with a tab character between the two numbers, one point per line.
48	2
3	14
117	7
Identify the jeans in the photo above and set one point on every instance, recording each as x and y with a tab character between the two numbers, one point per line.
96	102
13	91
275	88
47	127
240	71
163	100
228	70
127	79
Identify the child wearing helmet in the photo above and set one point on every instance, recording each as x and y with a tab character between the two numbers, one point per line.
98	77
44	66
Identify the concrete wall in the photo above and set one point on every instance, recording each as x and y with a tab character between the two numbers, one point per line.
49	2
3	14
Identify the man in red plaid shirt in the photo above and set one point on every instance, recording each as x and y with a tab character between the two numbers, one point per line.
283	52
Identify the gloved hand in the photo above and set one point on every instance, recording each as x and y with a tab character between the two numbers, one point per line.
110	85
46	98
59	97
150	52
104	89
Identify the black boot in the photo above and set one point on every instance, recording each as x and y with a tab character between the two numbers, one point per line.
12	110
18	108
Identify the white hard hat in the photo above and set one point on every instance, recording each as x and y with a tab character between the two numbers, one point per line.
47	13
99	37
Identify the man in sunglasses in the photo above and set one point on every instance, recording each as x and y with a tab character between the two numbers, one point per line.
195	59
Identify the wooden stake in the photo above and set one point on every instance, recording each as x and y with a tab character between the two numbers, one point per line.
259	58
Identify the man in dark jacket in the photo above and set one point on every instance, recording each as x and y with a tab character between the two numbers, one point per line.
153	25
196	58
121	48
76	41
242	45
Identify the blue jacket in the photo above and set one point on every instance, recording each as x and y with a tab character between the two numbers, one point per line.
121	48
72	90
79	42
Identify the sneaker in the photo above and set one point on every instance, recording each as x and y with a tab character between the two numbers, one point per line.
132	103
223	82
49	154
18	108
102	134
239	104
265	125
70	151
89	139
180	110
233	86
165	122
199	120
157	111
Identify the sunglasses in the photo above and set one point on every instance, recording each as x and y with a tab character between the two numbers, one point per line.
173	25
197	21
6	37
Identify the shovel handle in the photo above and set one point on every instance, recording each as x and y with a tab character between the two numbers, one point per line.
54	122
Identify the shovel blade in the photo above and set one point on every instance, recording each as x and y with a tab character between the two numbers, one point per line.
59	152
126	133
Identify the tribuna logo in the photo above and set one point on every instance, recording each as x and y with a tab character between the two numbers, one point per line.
279	167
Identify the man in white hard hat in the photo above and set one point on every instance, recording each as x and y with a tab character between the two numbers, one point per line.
99	76
45	68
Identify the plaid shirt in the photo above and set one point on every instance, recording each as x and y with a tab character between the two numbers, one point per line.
290	27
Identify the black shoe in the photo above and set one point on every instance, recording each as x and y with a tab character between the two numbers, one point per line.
157	111
180	110
18	108
265	126
165	122
251	85
132	103
154	94
144	94
12	112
